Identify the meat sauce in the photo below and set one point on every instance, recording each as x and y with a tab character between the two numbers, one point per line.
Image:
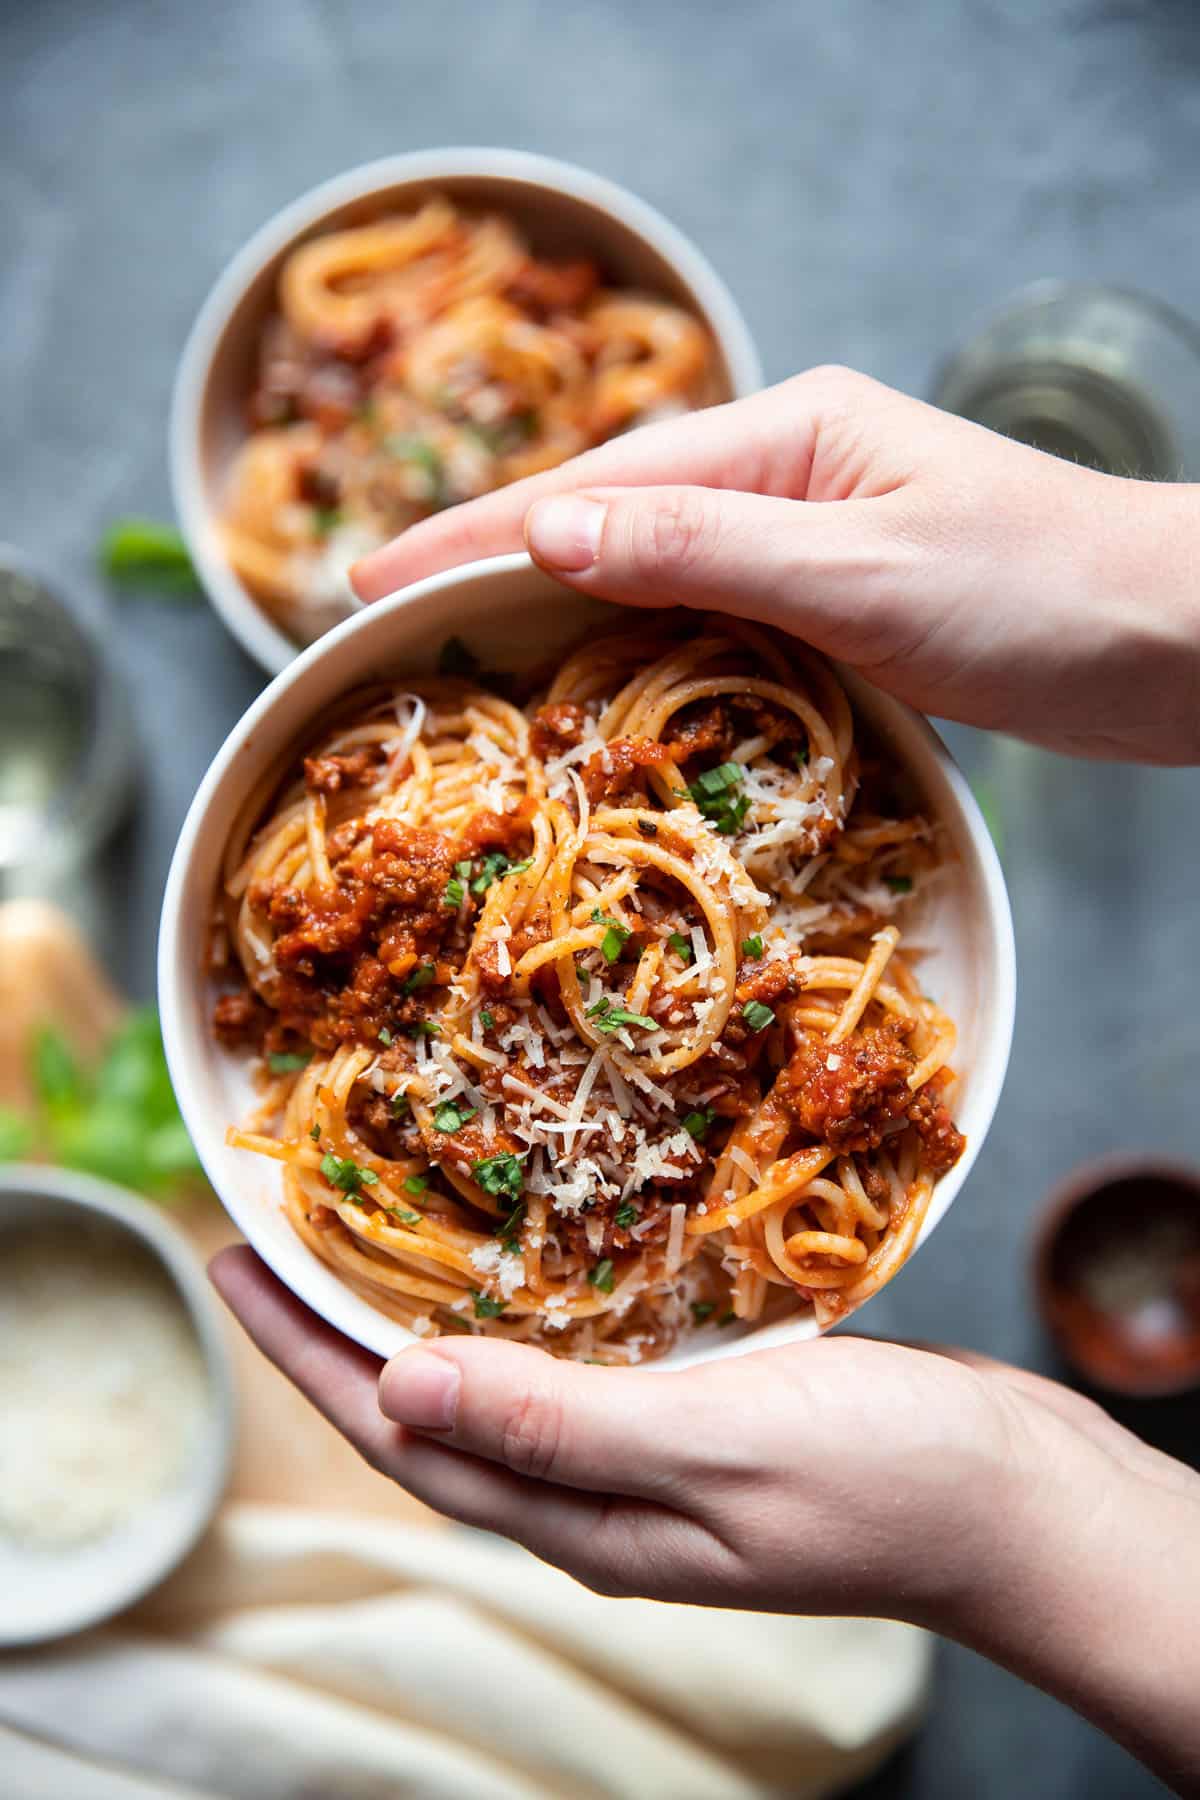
329	774
854	1094
613	771
557	727
360	957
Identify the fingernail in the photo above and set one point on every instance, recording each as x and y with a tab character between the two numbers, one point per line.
565	531
420	1390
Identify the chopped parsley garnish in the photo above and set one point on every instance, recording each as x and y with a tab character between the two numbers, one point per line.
400	1106
507	1230
752	947
385	1036
342	1172
802	756
610	1018
501	1174
899	884
415	1184
757	1016
486	1307
625	1216
698	1122
726	1318
456	887
702	1310
315	1134
486	1019
455	659
286	1062
426	457
495	867
450	1117
718	795
681	946
615	937
408	1218
423	1028
602	1276
326	520
422	976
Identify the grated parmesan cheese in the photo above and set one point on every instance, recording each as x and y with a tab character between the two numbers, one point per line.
103	1387
674	1251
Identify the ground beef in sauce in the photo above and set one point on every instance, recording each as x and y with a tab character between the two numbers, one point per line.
609	772
344	954
556	727
329	774
240	1020
488	960
374	1118
409	865
701	729
326	922
712	729
767	981
943	1142
571	1229
549	288
853	1105
497	831
472	1143
849	1095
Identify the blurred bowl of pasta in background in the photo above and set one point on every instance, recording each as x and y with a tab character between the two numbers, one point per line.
409	334
247	826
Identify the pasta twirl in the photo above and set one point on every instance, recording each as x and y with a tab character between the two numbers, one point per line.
588	1022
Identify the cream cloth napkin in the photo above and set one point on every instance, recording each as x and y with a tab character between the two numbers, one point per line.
301	1656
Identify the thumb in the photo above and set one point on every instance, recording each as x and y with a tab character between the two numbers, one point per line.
604	1429
821	570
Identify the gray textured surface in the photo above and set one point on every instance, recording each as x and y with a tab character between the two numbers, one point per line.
868	176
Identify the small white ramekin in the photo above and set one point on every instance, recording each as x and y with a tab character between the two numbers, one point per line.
49	1594
563	208
508	610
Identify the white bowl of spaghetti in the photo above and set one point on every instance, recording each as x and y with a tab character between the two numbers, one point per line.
413	333
584	1011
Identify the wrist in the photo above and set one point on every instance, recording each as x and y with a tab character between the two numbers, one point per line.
1086	1580
1144	573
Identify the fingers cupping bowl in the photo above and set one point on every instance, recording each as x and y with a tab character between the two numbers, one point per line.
635	985
415	333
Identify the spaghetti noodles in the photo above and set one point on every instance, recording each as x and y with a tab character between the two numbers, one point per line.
586	1022
417	361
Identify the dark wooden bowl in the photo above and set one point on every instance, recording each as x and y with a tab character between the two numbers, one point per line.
1116	1270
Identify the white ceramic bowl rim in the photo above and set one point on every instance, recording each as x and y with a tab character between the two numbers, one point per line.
247	620
179	970
136	1571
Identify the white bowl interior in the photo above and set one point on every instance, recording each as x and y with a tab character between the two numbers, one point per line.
562	209
48	1593
513	616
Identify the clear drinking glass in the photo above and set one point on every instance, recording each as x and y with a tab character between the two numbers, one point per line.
1098	375
66	746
